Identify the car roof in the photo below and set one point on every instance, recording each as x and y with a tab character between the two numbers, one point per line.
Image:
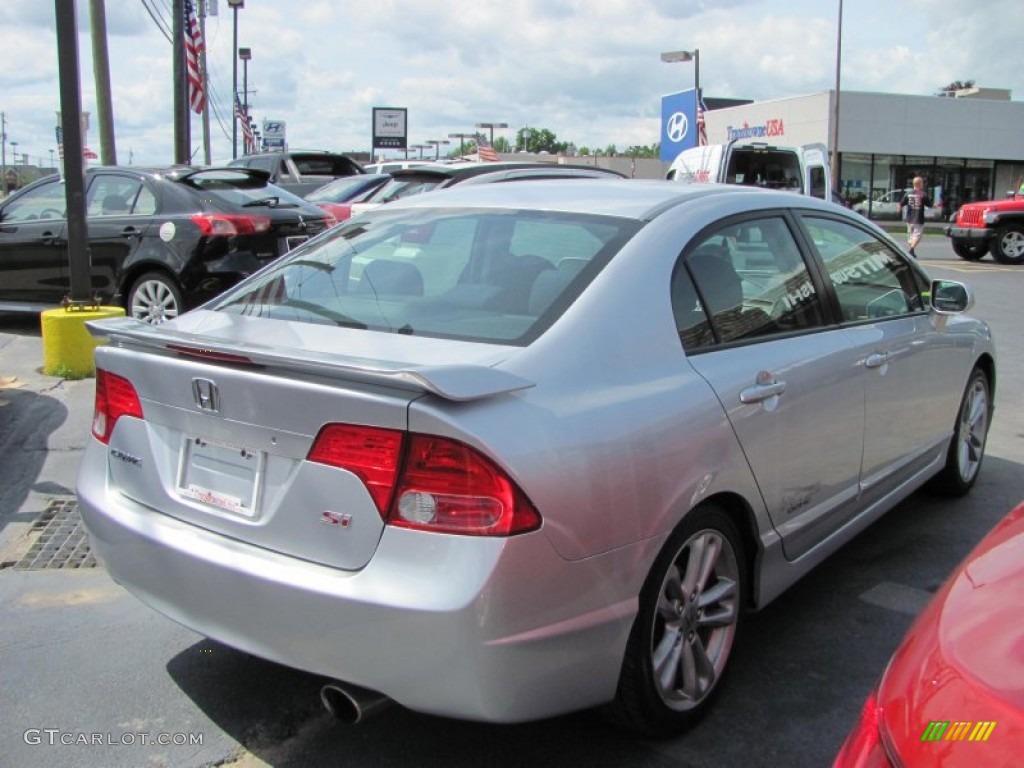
467	169
631	198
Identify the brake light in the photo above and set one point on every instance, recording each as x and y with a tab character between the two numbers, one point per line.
370	453
863	748
230	224
115	397
428	483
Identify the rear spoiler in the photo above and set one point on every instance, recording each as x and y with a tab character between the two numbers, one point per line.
452	382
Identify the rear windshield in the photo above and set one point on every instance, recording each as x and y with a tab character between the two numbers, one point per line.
325	165
406	186
495	276
238	188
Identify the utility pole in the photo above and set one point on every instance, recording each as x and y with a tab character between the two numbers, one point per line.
101	73
182	124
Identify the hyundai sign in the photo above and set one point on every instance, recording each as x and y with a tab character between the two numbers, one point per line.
678	123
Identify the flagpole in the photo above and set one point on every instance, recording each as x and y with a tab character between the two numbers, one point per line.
206	87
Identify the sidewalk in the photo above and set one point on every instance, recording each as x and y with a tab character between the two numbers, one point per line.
44	425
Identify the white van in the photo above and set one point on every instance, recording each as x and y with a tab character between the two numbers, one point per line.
757	163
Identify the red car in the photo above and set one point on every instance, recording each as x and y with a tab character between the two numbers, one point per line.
953	693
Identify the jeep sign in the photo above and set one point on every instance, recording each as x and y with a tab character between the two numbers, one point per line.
389	128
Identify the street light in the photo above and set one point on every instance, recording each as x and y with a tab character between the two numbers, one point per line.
672	57
51	159
436	144
235	5
420	147
462	140
245	54
492	126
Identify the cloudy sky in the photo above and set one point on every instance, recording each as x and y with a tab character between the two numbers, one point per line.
588	70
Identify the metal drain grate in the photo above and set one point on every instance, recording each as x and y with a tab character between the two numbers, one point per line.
63	541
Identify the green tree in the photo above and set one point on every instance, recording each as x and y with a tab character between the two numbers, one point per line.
539	140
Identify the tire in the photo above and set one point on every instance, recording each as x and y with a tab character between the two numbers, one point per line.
967	448
155	298
1008	244
971	250
685	629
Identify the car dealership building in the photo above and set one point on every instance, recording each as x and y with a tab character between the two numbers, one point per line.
967	146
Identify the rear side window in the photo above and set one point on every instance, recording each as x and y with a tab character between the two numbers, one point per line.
741	282
481	275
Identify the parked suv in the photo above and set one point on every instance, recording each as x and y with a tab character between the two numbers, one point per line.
160	241
300	172
990	225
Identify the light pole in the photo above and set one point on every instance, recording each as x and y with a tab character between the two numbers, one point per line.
835	118
14	153
492	126
436	144
420	147
245	54
235	5
672	57
51	159
462	140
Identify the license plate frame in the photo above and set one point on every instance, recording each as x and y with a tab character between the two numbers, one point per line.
223	476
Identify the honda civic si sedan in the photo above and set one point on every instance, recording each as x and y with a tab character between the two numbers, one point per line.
506	451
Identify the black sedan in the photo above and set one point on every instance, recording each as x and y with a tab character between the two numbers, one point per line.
161	241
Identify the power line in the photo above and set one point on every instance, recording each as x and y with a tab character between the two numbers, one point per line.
160	23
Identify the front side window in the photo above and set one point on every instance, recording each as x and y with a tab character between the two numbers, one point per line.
871	280
743	281
44	202
480	275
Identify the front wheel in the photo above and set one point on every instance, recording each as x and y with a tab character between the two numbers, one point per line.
155	298
1008	244
971	250
967	449
684	632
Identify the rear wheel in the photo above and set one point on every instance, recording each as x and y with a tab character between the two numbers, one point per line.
155	298
684	632
967	449
1008	244
971	250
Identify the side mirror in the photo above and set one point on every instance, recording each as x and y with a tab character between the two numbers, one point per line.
948	297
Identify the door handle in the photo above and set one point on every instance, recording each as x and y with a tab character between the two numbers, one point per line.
48	238
130	232
878	359
767	387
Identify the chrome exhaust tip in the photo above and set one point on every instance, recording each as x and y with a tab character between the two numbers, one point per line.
350	704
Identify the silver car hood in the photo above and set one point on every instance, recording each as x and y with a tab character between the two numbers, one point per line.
404	362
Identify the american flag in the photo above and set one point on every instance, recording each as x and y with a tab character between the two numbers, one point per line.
193	50
248	137
485	151
702	129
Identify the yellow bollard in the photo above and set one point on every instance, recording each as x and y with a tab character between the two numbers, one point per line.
67	343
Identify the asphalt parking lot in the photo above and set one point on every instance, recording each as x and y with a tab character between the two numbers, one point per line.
91	677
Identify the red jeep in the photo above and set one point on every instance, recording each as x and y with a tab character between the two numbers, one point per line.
996	225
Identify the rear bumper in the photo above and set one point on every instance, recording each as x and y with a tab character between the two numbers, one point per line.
500	630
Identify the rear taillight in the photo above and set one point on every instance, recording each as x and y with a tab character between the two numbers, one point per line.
864	748
115	397
230	224
428	483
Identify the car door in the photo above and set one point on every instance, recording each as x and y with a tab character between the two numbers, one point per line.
911	401
33	246
755	329
119	210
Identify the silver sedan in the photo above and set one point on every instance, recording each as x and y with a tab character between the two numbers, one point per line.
508	451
